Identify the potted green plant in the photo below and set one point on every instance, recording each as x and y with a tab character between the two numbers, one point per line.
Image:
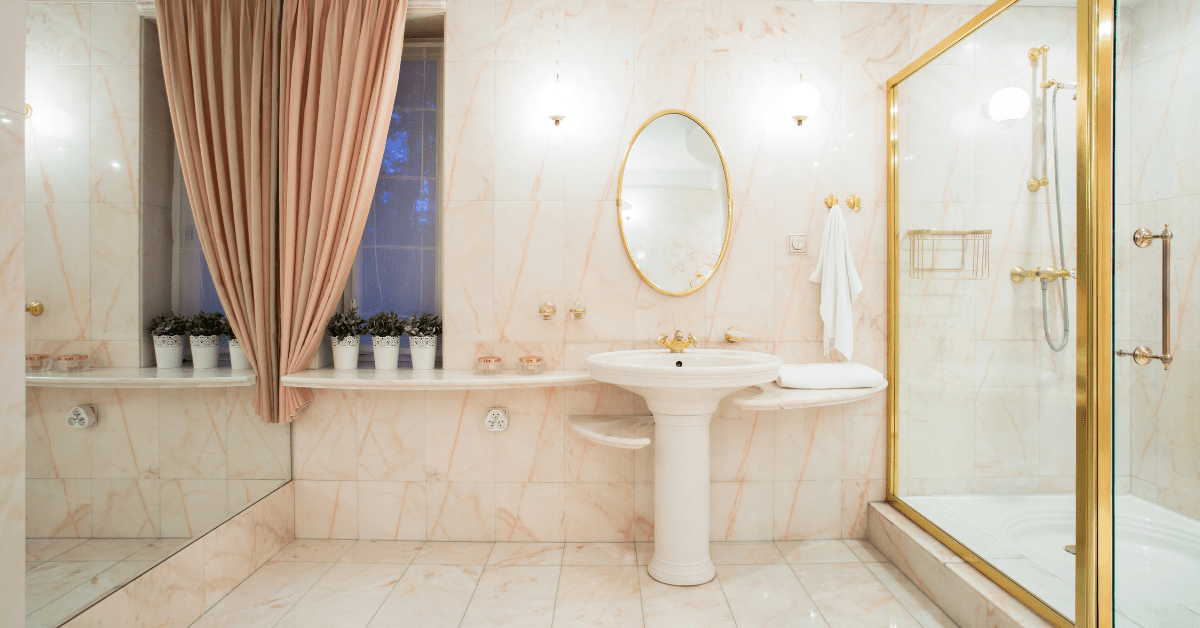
423	330
385	329
205	329
167	332
237	355
344	329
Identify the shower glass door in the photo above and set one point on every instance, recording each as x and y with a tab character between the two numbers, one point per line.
1156	315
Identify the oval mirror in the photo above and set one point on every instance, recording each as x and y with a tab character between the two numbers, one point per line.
673	203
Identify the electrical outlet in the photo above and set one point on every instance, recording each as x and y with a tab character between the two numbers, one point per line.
83	415
797	244
496	419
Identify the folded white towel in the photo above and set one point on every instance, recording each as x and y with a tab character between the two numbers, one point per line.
829	375
840	285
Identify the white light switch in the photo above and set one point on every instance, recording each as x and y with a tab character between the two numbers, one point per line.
797	244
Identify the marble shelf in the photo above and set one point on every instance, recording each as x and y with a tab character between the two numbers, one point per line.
613	431
771	397
143	378
437	379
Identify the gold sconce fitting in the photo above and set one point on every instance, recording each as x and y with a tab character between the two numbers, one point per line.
678	343
1035	184
546	305
575	305
830	201
35	308
853	202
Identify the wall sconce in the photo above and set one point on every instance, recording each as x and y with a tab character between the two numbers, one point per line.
546	305
557	100
575	304
1008	104
799	101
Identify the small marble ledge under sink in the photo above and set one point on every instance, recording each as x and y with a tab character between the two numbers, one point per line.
613	431
143	378
771	396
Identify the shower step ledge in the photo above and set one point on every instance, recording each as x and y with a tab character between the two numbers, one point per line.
436	379
143	378
771	396
612	431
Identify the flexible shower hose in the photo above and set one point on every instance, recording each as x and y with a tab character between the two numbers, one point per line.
1062	255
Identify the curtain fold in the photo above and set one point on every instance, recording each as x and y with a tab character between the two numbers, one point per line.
221	65
340	63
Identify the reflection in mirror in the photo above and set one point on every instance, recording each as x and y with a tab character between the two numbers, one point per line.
673	198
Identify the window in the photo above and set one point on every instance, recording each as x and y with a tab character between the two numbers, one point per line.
397	264
192	287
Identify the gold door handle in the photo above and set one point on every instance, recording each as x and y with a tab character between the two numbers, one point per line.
35	308
1142	355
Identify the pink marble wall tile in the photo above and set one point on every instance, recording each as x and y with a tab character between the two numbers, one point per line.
461	511
807	32
599	29
324	439
468	291
929	24
171	594
864	122
530	512
56	260
228	557
57	33
864	439
54	449
457	446
741	445
600	512
741	31
811	154
661	85
875	32
523	272
587	461
531	449
115	264
391	511
274	523
190	507
740	511
643	512
115	139
242	493
741	109
326	509
57	135
470	30
58	508
192	433
469	125
670	29
593	242
257	450
740	293
594	150
529	147
808	444
807	510
126	508
856	498
391	436
114	34
529	29
128	436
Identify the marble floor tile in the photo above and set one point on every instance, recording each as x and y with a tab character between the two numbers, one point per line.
849	596
313	550
1160	615
347	596
599	554
56	612
600	596
645	551
701	606
453	553
265	597
41	550
429	596
768	596
527	554
49	581
513	596
865	552
800	552
158	550
103	549
910	596
746	553
393	552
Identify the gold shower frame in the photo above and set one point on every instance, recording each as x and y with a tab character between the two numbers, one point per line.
1093	411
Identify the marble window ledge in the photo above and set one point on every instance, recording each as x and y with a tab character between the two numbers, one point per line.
437	379
143	378
772	397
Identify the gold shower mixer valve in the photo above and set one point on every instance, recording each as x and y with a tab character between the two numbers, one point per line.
1035	183
1049	273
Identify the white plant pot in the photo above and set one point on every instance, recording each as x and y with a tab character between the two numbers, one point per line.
204	351
387	352
237	355
345	353
168	352
424	350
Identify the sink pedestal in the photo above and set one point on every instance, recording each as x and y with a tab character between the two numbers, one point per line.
681	500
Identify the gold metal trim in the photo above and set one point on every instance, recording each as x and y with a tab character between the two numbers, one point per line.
1094	530
728	202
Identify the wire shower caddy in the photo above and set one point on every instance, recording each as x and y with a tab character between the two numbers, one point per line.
937	254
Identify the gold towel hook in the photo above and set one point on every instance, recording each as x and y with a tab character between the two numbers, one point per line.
28	111
853	202
830	201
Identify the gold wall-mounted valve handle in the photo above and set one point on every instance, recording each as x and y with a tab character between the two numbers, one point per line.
35	308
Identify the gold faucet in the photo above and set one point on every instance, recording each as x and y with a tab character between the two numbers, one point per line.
679	343
1048	273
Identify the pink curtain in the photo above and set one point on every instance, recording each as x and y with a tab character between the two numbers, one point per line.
339	68
221	65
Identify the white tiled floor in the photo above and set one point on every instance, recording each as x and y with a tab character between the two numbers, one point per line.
395	584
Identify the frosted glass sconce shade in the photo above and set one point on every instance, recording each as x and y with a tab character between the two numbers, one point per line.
1010	103
799	101
557	101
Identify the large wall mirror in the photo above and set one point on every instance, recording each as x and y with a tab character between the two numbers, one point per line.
673	203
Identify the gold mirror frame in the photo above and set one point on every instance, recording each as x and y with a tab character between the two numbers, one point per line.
728	202
1095	20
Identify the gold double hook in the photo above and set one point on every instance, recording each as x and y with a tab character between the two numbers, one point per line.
852	201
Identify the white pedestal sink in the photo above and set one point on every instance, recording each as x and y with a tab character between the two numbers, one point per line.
682	390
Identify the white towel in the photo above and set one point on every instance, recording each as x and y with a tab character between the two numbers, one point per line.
840	285
829	375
